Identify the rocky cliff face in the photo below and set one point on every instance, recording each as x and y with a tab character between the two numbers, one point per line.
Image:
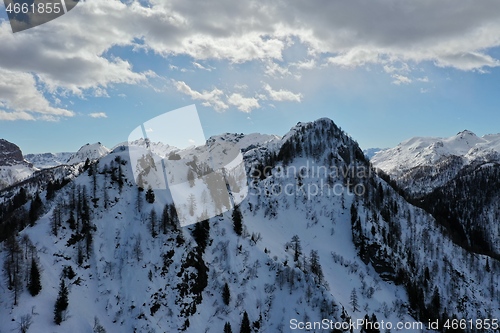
13	166
10	154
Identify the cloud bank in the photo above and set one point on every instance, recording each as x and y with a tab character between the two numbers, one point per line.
69	56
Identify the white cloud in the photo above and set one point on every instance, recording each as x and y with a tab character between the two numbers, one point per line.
200	66
214	98
245	104
355	58
18	115
65	55
400	79
240	86
23	101
392	68
282	95
275	70
308	64
98	115
467	61
262	30
210	98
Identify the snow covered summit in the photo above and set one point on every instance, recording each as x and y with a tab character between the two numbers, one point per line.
90	151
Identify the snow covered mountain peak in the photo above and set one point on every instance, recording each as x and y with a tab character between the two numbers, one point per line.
90	151
321	124
466	133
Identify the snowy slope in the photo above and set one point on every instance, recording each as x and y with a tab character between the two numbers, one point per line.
12	174
116	288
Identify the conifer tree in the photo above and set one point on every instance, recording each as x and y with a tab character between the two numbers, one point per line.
152	223
237	221
200	234
79	254
245	324
165	219
71	220
34	284
61	303
138	203
316	266
297	248
13	267
354	300
374	320
55	220
227	328
174	219
150	195
226	294
435	306
35	208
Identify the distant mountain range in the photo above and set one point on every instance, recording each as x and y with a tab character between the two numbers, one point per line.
420	164
47	160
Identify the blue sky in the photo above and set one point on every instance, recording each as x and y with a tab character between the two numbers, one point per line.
383	73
